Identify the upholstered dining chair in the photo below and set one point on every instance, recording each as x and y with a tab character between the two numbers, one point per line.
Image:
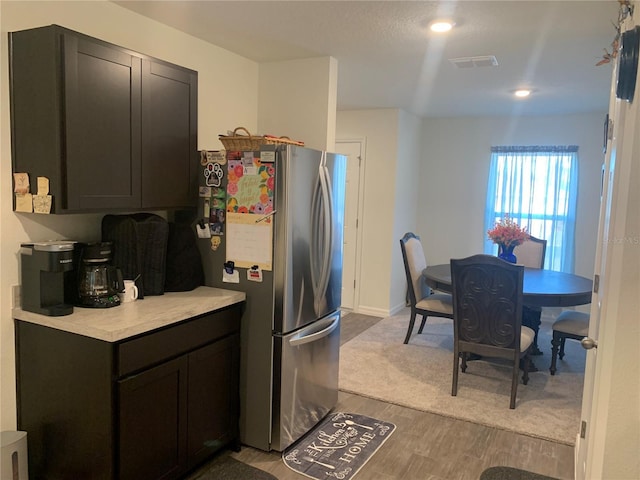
569	324
531	253
421	300
487	315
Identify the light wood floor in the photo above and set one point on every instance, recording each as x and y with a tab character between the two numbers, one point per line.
426	446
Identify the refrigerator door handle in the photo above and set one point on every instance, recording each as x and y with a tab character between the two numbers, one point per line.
314	247
328	227
301	338
321	236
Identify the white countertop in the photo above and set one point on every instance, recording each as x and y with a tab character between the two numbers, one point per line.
133	318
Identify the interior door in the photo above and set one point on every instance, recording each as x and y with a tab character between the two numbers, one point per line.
616	259
596	304
353	151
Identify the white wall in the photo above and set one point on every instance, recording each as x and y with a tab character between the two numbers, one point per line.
379	128
455	168
298	99
406	207
430	176
227	97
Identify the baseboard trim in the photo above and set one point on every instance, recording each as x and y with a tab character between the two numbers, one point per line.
397	308
374	312
379	312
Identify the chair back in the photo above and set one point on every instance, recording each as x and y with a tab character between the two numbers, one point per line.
531	252
487	305
414	263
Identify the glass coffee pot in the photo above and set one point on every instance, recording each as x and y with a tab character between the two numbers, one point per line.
99	282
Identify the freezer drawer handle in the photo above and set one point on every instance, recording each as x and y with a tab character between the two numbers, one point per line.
301	339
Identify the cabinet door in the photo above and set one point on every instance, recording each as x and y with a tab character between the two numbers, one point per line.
213	398
152	422
102	121
169	133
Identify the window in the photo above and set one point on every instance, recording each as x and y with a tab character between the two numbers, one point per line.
537	187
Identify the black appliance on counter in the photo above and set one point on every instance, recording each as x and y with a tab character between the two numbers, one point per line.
139	249
99	282
47	268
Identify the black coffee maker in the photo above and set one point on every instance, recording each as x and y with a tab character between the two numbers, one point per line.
47	270
98	281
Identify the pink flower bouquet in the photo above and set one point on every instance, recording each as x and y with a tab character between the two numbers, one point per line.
507	233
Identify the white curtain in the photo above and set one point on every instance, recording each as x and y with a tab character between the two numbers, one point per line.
537	187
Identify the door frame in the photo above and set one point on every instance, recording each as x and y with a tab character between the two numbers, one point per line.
361	190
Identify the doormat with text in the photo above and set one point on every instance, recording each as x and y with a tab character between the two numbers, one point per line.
338	447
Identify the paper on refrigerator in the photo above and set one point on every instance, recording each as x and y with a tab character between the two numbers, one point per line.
249	242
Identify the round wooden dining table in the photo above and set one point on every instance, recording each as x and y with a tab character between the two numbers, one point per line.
541	288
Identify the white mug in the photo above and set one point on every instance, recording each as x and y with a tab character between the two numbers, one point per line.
130	292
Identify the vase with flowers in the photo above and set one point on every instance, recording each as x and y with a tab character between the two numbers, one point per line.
507	234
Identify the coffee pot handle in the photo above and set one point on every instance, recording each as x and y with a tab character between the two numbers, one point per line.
118	281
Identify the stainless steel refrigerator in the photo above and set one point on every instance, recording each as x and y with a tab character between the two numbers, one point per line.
290	336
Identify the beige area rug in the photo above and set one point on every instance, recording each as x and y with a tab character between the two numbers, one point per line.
378	365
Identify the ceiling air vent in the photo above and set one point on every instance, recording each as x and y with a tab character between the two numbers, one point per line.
471	62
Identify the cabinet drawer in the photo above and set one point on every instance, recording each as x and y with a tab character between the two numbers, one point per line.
165	344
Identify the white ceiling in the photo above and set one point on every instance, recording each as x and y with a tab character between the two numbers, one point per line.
388	59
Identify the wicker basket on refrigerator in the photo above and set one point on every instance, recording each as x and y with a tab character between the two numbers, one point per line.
250	142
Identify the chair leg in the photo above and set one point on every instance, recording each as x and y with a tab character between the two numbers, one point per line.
514	386
456	364
561	354
412	320
424	320
555	344
531	318
464	362
526	369
526	365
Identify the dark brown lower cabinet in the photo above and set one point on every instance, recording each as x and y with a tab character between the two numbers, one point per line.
152	422
147	408
209	367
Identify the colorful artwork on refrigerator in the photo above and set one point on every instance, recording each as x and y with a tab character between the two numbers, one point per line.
250	184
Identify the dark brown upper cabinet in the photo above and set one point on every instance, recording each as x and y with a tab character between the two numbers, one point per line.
112	129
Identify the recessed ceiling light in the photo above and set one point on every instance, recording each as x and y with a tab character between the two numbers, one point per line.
441	26
522	93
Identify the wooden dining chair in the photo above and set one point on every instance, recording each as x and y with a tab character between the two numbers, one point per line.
487	315
531	253
421	300
569	324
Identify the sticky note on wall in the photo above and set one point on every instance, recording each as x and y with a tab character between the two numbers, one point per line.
42	204
43	186
21	183
24	203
